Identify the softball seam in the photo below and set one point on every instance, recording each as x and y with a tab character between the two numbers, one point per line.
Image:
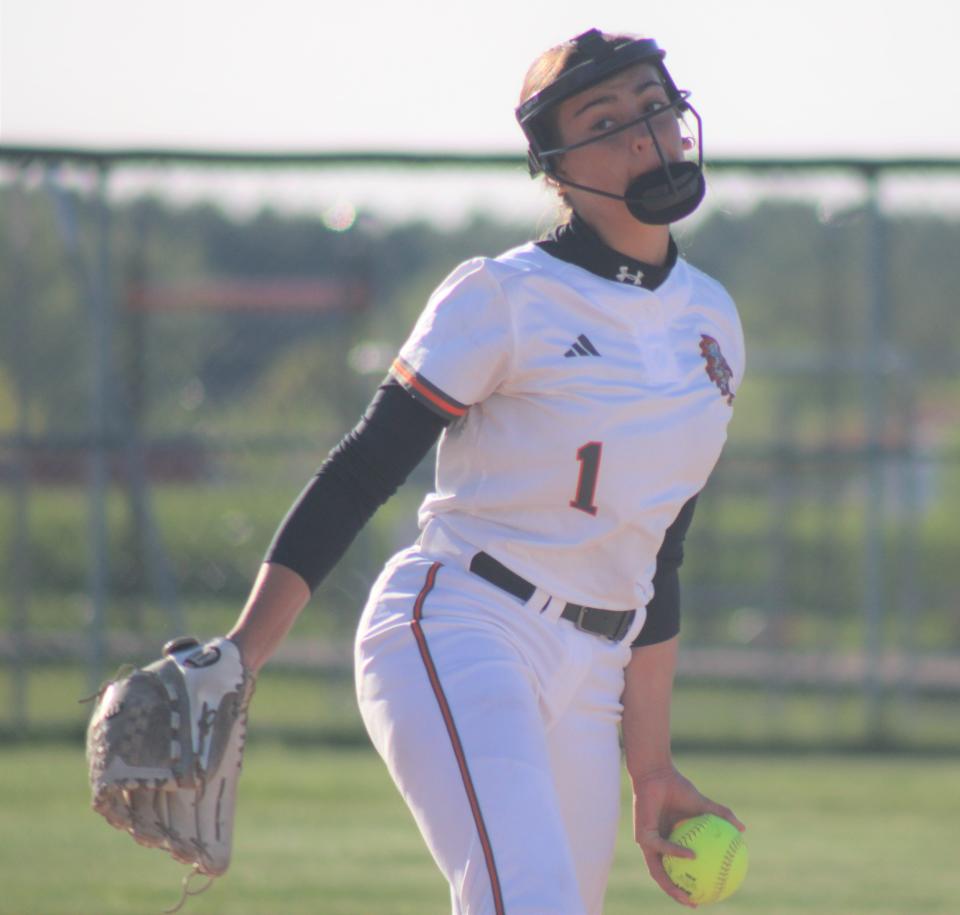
727	864
690	834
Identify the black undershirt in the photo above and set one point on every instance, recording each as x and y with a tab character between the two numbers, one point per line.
396	432
577	243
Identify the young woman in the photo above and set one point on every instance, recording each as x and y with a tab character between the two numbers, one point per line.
581	388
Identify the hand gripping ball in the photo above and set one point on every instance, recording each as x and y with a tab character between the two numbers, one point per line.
721	862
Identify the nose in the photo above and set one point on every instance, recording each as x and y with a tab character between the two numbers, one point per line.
640	137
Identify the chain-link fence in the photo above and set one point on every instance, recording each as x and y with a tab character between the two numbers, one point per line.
184	337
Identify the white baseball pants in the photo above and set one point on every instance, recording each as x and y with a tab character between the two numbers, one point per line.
499	725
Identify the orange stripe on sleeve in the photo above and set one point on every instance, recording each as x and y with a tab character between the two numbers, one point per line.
410	379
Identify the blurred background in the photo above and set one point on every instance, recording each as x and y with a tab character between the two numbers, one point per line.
218	223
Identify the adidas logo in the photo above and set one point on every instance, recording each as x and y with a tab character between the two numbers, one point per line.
581	347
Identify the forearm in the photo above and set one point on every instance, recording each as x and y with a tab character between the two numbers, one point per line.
276	599
647	696
662	797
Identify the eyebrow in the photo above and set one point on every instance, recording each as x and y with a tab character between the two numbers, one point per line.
603	99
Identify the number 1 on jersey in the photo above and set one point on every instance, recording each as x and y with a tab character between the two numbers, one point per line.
589	458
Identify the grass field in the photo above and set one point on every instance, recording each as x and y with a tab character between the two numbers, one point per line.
322	831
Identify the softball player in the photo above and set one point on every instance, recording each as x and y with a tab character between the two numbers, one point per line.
581	388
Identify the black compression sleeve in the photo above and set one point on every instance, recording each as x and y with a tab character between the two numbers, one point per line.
359	475
663	612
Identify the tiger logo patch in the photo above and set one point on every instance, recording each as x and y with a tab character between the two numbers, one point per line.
718	369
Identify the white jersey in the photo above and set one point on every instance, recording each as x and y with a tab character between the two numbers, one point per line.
586	412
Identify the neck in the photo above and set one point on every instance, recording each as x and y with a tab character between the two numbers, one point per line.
635	239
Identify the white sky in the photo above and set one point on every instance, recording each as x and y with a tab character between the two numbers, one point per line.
818	76
779	77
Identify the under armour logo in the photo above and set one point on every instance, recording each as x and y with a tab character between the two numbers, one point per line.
582	347
625	274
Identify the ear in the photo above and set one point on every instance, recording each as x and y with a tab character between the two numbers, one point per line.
554	181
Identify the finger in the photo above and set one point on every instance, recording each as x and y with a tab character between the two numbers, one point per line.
659	875
653	843
727	814
677	851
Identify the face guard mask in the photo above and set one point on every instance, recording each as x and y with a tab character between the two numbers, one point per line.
658	197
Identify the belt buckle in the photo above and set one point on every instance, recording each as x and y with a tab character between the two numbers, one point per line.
623	625
578	622
626	622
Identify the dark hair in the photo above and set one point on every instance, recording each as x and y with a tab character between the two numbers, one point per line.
548	67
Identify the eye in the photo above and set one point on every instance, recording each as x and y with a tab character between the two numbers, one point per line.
657	104
604	123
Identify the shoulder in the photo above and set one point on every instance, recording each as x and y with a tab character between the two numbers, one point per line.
709	299
707	289
524	260
489	277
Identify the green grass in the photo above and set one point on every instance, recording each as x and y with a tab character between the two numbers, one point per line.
324	832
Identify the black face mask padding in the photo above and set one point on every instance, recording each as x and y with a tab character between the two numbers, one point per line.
667	194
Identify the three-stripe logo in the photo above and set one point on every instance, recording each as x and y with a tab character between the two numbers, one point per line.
581	347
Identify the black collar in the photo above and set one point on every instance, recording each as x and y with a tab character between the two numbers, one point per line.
577	243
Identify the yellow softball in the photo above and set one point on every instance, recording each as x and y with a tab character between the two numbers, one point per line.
721	862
